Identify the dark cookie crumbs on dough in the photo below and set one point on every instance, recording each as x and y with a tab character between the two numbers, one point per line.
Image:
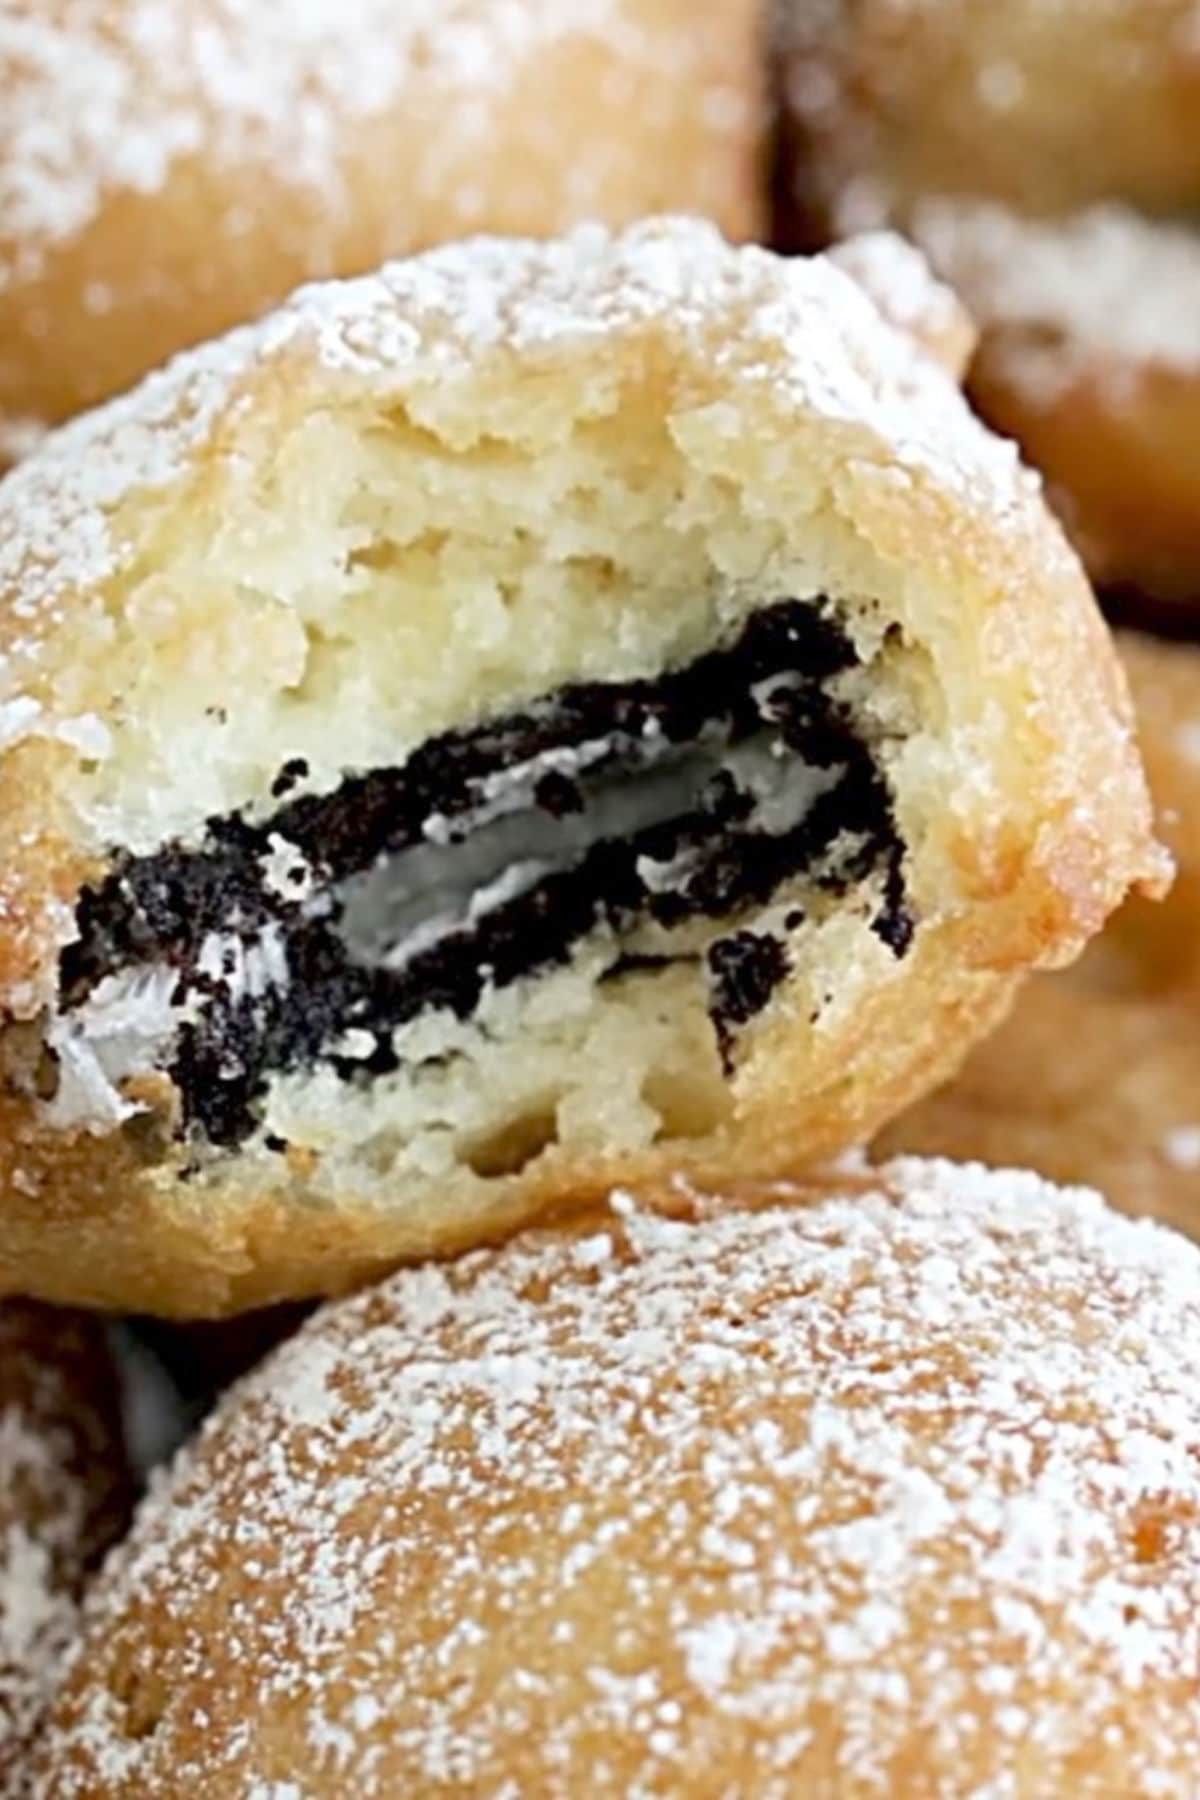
744	971
289	777
766	689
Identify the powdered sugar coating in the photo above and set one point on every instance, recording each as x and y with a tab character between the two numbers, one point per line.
795	335
17	438
1111	285
62	1484
900	281
102	99
902	1486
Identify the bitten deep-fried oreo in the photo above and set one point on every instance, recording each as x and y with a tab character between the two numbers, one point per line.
65	1493
883	1486
539	716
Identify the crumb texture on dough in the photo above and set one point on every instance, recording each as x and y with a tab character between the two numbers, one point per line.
893	1491
427	321
644	813
420	590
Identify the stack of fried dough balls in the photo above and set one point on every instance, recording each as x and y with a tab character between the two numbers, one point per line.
1047	156
885	1487
517	762
640	1502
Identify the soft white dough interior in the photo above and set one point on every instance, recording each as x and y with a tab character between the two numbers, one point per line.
393	583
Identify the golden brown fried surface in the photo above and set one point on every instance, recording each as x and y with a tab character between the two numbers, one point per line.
1095	1077
1039	153
1089	357
887	1486
1041	105
169	168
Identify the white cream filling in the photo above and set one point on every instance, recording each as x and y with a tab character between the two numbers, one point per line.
129	1024
125	1027
246	967
507	791
285	872
410	902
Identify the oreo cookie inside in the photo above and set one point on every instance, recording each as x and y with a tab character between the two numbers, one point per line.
310	936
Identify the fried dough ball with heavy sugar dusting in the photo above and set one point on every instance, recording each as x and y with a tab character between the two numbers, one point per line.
169	168
887	1486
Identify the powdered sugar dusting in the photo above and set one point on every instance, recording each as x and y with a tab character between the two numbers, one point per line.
900	1485
1110	282
798	336
61	1482
17	438
1181	1147
100	100
901	283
